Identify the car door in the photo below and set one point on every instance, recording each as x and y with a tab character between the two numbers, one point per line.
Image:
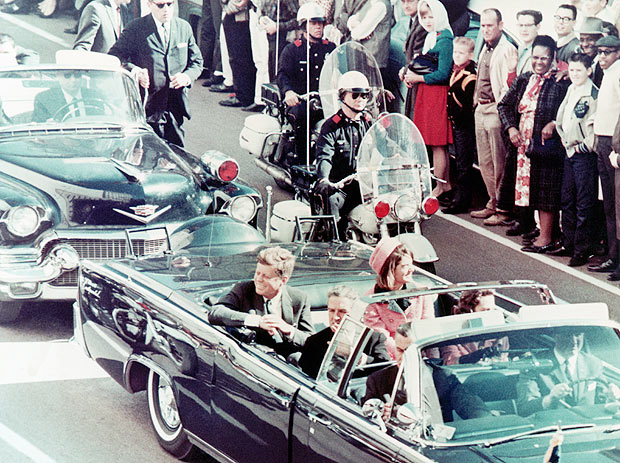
336	430
251	404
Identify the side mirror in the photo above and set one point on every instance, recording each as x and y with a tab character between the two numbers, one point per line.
372	407
373	410
408	415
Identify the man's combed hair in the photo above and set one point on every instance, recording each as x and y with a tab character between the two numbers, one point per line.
496	12
281	259
343	291
537	15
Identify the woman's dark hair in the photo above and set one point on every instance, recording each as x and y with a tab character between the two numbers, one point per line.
547	42
582	58
470	299
385	279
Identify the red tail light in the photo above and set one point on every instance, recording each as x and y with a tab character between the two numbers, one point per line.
382	209
430	205
228	171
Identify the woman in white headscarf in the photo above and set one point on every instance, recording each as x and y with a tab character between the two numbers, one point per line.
433	68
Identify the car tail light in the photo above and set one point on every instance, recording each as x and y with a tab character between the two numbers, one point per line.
219	165
430	205
228	171
382	209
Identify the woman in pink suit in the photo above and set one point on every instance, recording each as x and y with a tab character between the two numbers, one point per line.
393	263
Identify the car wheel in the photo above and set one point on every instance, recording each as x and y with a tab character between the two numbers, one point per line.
165	418
9	311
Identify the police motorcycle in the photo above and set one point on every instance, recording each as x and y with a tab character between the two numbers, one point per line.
271	136
393	169
394	177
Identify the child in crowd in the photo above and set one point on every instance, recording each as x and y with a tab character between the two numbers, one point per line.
461	116
574	123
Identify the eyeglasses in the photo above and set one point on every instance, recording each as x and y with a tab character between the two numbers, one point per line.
161	5
526	25
607	52
562	19
356	95
71	74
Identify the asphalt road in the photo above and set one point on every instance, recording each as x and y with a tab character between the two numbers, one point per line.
56	406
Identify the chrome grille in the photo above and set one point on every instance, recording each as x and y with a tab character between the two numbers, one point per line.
97	249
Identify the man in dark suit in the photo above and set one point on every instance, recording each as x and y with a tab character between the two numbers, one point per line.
340	301
567	383
101	24
280	314
161	51
67	100
451	393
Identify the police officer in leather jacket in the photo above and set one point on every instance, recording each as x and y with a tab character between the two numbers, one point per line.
338	143
292	72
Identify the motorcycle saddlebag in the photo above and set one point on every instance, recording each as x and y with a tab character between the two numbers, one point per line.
260	135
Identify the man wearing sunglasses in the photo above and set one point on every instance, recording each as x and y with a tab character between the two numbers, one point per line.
67	100
337	146
160	50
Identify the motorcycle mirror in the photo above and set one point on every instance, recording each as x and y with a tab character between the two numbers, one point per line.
408	414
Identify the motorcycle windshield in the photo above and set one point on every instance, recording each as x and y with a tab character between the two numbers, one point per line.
350	56
392	163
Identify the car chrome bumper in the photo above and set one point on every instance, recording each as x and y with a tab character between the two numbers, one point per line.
21	281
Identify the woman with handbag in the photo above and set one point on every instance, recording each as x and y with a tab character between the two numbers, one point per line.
527	113
431	71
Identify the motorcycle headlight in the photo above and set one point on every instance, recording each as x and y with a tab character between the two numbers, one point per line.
242	208
405	208
22	221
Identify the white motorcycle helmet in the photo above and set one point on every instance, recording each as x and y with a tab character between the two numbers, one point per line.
310	11
352	81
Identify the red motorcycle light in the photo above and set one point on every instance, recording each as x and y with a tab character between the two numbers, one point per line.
382	209
430	205
228	171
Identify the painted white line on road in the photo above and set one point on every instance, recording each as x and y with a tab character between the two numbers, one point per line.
484	231
33	362
40	32
23	446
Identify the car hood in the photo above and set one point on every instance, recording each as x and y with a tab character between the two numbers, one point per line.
105	180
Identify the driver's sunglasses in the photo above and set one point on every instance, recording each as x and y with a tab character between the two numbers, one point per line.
161	5
71	74
356	95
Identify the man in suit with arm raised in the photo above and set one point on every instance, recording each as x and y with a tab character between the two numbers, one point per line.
279	314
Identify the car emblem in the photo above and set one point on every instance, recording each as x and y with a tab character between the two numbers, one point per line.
144	210
145	213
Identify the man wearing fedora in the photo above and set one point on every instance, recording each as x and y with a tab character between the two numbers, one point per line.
590	32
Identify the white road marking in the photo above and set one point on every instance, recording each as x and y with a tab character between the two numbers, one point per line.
23	446
40	32
33	362
539	257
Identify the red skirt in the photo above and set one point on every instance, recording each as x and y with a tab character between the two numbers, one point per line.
430	114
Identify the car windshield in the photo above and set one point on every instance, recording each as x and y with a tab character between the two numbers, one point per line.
511	383
67	97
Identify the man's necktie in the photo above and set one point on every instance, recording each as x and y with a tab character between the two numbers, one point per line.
166	35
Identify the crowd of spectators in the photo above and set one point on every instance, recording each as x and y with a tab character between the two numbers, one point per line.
540	110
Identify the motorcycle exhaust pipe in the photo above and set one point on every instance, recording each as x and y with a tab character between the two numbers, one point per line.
275	171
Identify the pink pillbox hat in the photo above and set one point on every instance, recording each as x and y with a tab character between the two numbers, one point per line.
384	248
